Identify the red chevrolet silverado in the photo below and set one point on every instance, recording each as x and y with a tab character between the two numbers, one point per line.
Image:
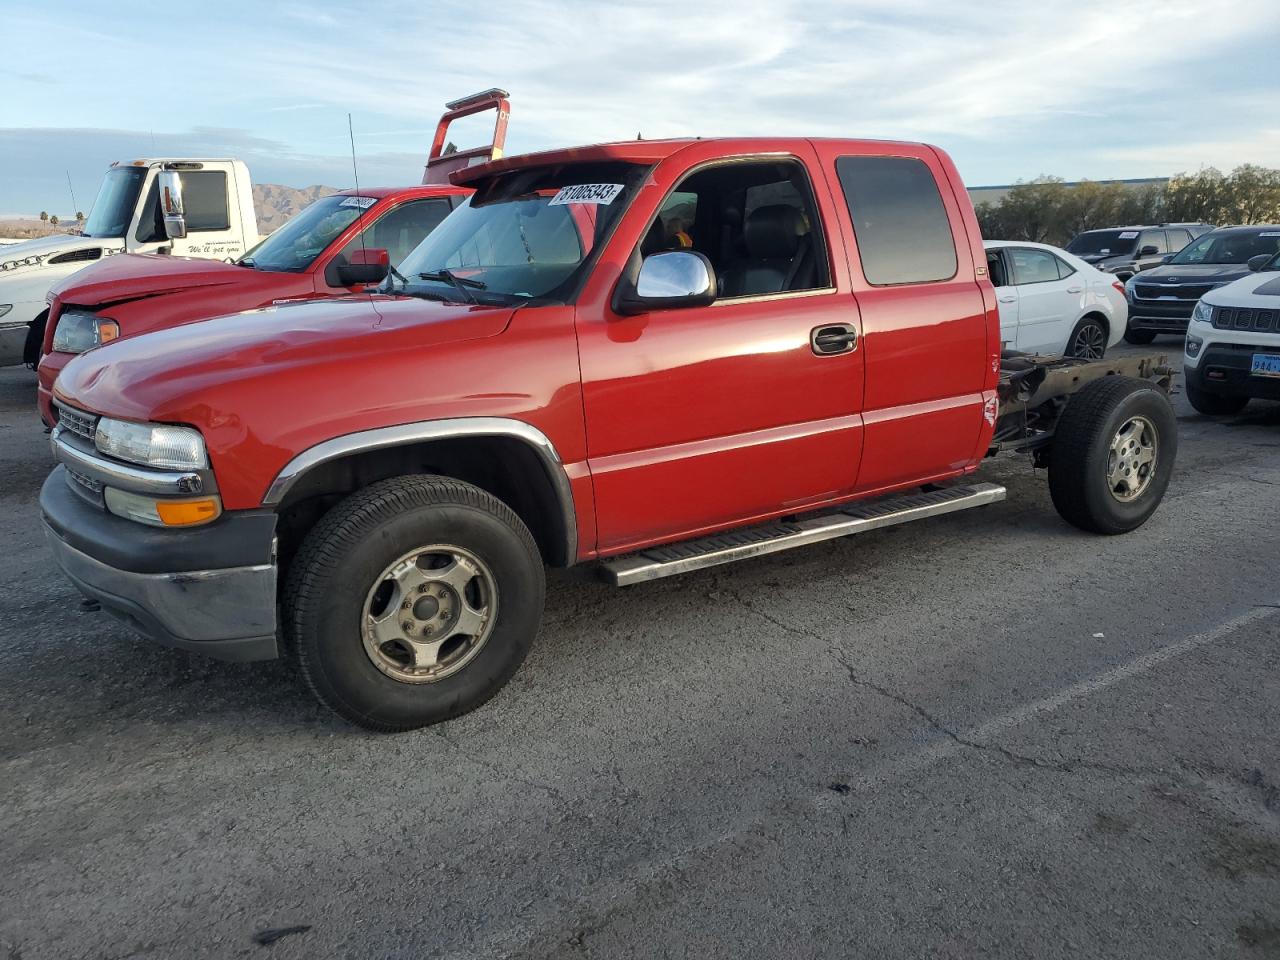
334	247
644	357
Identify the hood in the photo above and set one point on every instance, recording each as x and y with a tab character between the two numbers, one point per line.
135	275
286	355
1193	273
1260	290
30	256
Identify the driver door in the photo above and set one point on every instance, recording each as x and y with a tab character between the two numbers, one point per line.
704	417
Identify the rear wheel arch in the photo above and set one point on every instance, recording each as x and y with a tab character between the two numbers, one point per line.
511	460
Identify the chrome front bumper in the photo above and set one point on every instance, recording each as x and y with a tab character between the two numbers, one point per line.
228	614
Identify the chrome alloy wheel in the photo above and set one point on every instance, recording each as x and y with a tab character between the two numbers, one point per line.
1090	342
1131	462
429	614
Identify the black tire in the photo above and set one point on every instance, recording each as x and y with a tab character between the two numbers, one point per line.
35	340
342	559
1088	341
1079	457
1214	404
1139	337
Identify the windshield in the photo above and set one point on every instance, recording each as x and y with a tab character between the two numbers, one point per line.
1233	247
524	235
1106	243
117	199
295	246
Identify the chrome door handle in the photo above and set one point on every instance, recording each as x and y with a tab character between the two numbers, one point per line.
1008	299
1075	289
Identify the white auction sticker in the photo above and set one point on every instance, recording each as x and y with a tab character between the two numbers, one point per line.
1271	233
1128	234
364	203
601	193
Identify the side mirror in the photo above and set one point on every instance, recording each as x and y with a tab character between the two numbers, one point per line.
1260	261
370	265
175	223
1166	258
1148	251
667	280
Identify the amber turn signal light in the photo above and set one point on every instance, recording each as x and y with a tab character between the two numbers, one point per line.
184	513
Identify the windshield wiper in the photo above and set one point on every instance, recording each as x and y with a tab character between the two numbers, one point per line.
461	284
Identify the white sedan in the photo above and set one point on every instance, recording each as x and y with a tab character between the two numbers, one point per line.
1052	302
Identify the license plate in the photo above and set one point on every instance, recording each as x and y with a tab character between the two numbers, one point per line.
1265	365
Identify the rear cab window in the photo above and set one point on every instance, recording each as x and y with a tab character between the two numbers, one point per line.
900	224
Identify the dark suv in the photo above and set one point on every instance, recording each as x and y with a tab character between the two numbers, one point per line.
1161	299
1125	251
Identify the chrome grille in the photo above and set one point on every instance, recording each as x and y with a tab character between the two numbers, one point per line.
78	422
1242	318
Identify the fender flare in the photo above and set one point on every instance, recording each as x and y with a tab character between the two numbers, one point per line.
426	430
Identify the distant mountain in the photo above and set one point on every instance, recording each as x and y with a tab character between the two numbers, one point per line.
276	203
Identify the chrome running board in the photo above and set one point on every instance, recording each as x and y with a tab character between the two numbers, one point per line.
670	559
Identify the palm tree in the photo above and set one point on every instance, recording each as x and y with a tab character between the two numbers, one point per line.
53	221
44	216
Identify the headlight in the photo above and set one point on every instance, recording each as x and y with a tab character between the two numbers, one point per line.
1203	313
5	308
78	331
152	444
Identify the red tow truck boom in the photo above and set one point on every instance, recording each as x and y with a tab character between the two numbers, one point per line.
440	164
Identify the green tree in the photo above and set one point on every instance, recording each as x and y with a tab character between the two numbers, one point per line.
79	216
53	221
1251	195
44	216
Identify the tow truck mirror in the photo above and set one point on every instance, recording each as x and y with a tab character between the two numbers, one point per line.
1260	261
175	222
1148	251
667	280
370	265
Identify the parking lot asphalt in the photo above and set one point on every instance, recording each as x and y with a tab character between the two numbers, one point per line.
983	735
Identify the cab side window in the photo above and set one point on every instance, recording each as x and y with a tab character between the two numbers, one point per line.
756	222
899	221
204	206
401	229
1178	239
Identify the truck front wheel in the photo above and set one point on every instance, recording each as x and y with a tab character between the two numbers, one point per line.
413	601
1112	455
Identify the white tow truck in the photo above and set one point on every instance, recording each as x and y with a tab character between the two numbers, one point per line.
127	217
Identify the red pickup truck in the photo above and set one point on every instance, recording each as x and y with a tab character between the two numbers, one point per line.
648	357
336	246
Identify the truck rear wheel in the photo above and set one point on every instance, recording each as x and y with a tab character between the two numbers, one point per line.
1112	455
413	601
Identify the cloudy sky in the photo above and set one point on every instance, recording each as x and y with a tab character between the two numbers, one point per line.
1011	89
